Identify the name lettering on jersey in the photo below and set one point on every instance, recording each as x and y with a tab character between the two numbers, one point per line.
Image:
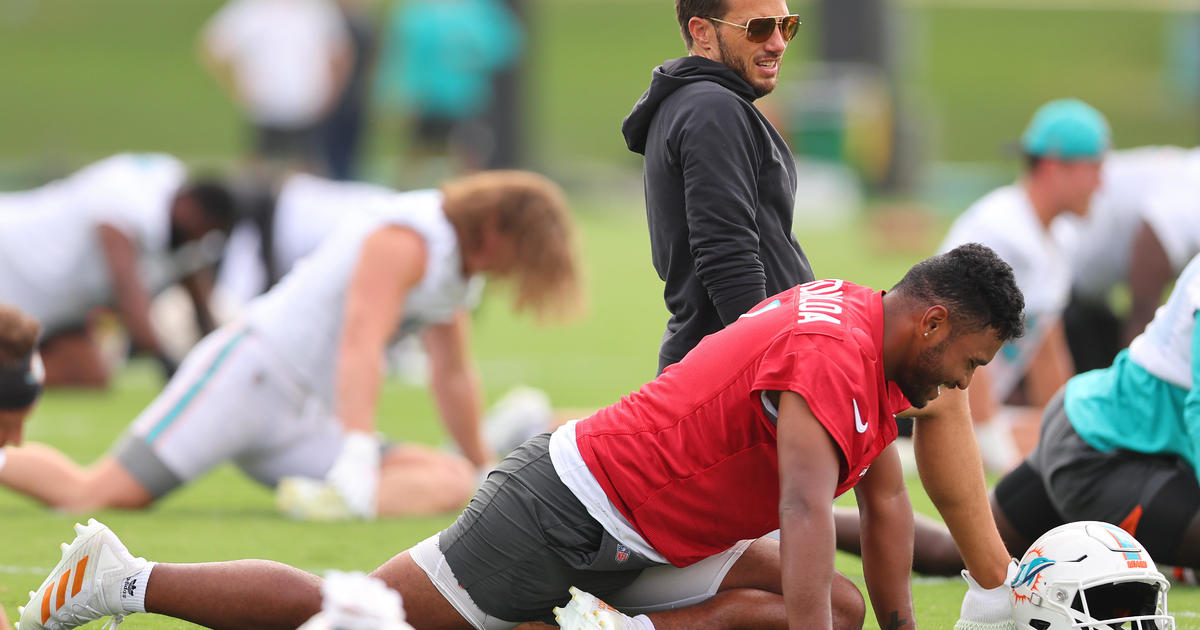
819	301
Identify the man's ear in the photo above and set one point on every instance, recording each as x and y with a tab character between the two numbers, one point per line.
935	323
704	39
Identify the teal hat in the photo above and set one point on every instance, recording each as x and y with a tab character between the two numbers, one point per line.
1066	129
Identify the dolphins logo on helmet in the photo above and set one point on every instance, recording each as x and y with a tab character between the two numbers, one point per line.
1089	575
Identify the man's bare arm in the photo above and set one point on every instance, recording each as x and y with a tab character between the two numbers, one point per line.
809	461
455	385
1148	279
132	298
391	263
952	473
887	540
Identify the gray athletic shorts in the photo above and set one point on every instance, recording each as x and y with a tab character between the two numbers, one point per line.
1064	479
525	539
232	400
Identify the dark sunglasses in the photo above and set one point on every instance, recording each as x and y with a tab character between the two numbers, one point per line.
759	29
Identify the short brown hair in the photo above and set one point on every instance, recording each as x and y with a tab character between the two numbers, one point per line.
531	212
685	10
18	334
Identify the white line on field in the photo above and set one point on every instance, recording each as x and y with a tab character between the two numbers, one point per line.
11	570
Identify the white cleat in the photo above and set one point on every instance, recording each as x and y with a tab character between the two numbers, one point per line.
587	612
85	585
519	415
307	499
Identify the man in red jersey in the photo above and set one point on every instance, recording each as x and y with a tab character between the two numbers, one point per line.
661	502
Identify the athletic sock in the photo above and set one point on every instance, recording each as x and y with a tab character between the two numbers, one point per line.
2	458
133	590
642	622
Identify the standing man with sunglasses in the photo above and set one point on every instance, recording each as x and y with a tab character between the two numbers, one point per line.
720	181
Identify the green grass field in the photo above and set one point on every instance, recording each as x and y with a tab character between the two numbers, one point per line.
82	80
591	362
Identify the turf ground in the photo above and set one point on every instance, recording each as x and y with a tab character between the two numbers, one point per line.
83	80
591	362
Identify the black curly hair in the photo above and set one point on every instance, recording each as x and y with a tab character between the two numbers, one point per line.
214	198
974	284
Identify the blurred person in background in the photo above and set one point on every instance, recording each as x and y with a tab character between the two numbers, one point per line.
720	181
21	374
1064	146
290	389
341	132
285	221
283	63
1146	210
21	379
110	235
282	220
437	64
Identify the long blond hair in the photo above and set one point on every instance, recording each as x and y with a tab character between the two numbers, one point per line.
530	212
18	334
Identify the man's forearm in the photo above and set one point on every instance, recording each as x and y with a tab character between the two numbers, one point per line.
733	304
727	263
952	473
806	560
733	277
458	397
199	287
359	378
134	305
887	554
1148	278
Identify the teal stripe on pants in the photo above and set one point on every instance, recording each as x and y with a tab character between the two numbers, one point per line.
192	391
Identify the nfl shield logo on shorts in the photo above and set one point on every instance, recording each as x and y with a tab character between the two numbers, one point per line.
622	553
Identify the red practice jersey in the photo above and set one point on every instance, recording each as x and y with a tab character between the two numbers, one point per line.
690	458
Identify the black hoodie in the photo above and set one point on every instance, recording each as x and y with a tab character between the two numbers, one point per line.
720	188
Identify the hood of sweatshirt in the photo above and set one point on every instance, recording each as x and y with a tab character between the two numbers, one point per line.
668	78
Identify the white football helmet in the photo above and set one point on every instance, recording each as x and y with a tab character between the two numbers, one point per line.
1089	575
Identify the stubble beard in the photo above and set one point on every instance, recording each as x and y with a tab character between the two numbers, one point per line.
923	377
739	68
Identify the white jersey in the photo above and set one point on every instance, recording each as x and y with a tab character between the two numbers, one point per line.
1164	349
1158	185
307	210
281	52
301	318
1005	221
51	262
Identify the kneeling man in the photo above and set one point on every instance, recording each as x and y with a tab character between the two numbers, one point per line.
661	502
